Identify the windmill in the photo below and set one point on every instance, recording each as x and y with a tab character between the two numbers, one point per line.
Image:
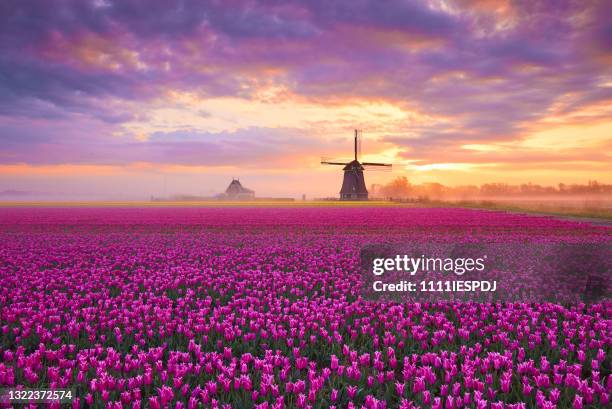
353	184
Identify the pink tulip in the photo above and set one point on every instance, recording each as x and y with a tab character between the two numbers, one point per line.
577	404
154	402
418	385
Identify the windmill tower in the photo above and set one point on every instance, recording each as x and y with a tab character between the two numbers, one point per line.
353	184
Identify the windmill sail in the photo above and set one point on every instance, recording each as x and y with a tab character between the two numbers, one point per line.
359	141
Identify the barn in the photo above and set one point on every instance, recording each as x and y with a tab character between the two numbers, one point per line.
235	191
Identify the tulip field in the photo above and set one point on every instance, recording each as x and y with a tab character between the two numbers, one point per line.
245	307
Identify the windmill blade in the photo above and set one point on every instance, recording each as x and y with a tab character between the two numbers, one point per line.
334	161
359	140
378	168
376	164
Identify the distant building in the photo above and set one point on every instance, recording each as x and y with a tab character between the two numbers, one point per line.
235	191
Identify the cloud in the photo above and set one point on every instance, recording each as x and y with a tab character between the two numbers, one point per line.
250	147
478	71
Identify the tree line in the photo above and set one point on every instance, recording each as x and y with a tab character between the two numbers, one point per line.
401	188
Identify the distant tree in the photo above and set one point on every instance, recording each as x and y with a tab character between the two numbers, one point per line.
401	188
398	188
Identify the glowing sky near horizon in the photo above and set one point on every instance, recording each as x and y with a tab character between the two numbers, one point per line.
134	98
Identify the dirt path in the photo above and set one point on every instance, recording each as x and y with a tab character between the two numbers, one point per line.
590	220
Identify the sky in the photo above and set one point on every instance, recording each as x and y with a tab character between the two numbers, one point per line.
127	99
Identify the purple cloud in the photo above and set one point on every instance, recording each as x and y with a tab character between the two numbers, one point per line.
249	147
489	73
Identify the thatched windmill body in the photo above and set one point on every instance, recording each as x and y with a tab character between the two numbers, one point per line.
353	184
